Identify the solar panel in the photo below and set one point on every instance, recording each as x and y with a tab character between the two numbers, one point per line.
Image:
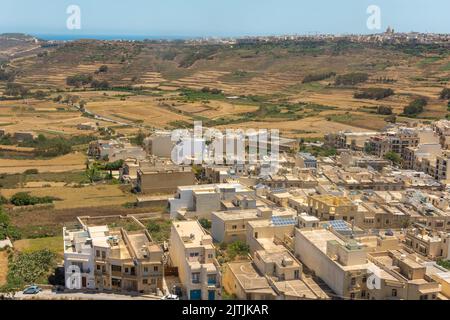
280	221
339	225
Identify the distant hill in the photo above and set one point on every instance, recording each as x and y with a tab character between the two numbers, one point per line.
13	45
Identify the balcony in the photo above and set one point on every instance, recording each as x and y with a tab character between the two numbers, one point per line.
116	273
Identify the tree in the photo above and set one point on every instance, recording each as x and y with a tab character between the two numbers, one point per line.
391	119
79	80
40	95
445	94
6	229
394	157
15	89
100	84
58	98
139	139
103	68
93	174
384	110
205	223
83	105
415	107
238	248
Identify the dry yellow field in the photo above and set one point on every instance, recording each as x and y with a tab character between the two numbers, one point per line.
3	267
90	196
54	244
70	162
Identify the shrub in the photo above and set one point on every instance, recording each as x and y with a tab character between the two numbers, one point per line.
394	157
15	89
415	107
445	94
29	268
374	93
79	79
205	223
384	110
318	77
103	68
103	85
238	248
25	199
31	171
6	229
351	79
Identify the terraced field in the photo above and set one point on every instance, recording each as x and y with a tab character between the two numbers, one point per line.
159	74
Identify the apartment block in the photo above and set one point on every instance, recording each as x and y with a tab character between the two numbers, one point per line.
193	253
327	207
433	245
200	200
163	179
341	265
245	282
231	226
101	258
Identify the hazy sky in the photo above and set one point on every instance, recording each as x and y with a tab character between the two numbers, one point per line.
221	17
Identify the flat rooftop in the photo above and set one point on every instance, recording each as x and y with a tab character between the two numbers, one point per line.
249	278
295	288
237	214
191	233
320	237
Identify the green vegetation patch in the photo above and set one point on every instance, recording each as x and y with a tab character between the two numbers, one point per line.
29	268
159	229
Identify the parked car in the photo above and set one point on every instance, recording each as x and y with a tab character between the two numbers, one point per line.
170	297
32	290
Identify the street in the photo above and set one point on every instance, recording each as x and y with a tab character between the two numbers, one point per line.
52	295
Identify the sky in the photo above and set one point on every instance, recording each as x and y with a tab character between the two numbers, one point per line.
221	18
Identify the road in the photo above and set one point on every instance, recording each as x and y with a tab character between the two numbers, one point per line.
51	295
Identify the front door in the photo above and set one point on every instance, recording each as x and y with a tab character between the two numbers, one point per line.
83	282
195	295
211	295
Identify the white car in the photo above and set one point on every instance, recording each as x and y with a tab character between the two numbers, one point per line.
170	297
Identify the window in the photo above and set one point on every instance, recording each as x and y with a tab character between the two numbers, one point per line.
363	293
145	281
145	270
115	268
196	277
153	281
126	270
193	254
155	268
424	297
210	256
394	292
234	227
103	254
97	253
352	296
353	281
256	235
211	279
98	267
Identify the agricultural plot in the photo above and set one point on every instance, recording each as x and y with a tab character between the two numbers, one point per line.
78	197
